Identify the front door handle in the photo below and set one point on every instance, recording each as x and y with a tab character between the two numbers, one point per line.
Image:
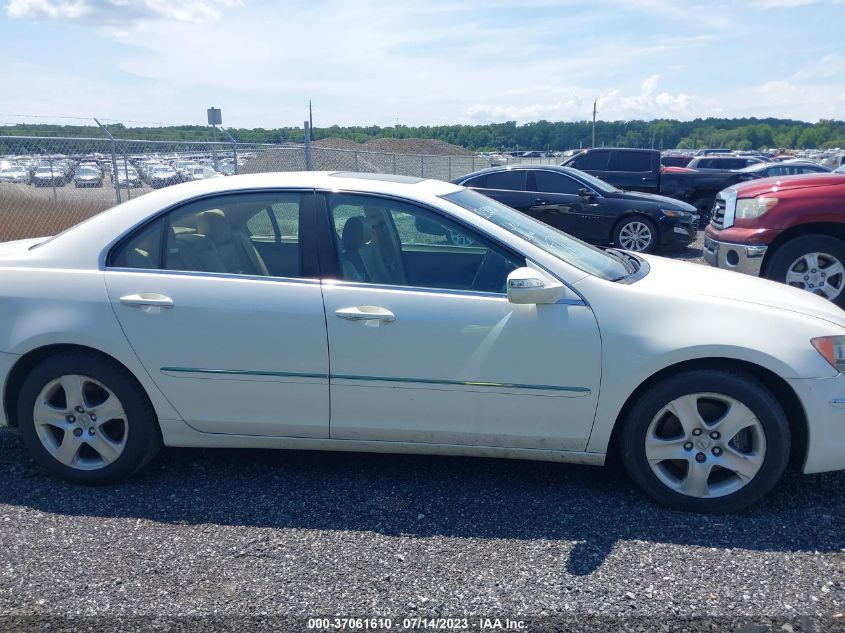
366	313
147	300
541	201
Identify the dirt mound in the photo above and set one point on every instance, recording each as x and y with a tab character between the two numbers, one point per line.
426	146
338	143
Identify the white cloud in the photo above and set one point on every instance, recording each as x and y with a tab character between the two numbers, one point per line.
119	12
827	67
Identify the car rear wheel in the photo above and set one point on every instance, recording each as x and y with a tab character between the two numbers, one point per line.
815	263
706	441
636	234
85	419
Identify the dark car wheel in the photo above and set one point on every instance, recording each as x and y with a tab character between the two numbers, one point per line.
636	233
706	441
705	211
85	419
815	263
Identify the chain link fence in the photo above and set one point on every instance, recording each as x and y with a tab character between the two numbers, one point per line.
48	184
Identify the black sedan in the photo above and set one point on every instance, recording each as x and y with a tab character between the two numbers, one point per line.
589	208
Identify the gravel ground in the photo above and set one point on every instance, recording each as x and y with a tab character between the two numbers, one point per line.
282	536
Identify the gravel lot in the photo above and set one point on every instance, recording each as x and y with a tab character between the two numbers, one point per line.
282	536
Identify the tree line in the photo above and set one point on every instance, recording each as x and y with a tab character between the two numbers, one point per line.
740	134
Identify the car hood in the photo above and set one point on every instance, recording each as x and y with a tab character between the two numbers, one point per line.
696	279
664	201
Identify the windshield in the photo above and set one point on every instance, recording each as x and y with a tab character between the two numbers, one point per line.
557	243
595	183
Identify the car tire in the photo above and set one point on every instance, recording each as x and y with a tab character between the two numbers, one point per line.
630	229
75	445
795	256
669	459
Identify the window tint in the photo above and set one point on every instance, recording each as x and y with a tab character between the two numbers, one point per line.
551	182
592	160
245	234
384	241
478	181
776	171
630	161
510	179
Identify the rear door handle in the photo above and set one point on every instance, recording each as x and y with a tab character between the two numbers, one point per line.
147	300
366	313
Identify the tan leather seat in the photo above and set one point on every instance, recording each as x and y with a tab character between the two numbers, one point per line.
360	259
234	247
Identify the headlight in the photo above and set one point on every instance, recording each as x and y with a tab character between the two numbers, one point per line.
833	350
753	207
672	213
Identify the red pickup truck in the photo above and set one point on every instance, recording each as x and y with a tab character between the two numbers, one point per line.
789	229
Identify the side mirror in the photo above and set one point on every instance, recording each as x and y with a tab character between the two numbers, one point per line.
585	193
428	227
526	285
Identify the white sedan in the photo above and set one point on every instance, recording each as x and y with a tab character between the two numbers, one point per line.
337	311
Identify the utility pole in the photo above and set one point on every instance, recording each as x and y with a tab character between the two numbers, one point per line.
310	121
594	122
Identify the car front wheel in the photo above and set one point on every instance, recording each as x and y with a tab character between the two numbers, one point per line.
636	234
85	419
706	441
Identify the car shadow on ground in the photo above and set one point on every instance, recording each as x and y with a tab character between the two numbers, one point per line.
419	496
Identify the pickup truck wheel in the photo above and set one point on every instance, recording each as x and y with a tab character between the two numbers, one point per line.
815	263
637	234
706	441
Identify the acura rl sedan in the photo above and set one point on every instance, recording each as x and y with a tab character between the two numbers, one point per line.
335	311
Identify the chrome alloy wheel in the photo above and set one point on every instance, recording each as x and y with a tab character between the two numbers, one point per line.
80	422
705	445
635	236
819	273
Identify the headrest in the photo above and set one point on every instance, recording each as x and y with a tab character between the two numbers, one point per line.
356	233
214	224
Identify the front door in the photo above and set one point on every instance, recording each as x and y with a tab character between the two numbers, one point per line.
425	346
213	300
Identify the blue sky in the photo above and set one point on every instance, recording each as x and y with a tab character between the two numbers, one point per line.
368	62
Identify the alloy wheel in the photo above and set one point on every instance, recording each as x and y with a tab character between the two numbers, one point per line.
705	445
819	273
80	422
635	236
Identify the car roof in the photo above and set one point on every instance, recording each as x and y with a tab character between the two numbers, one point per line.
110	224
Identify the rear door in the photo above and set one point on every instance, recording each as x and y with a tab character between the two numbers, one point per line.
634	171
510	187
235	340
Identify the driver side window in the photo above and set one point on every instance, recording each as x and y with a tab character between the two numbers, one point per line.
390	242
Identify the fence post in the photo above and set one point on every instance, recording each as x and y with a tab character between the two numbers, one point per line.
394	164
356	161
234	148
116	178
422	166
309	159
450	168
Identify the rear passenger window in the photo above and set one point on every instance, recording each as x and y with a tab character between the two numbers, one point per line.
241	234
550	182
592	160
630	161
508	179
478	181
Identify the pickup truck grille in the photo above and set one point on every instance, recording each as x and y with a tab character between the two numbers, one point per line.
724	210
718	217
